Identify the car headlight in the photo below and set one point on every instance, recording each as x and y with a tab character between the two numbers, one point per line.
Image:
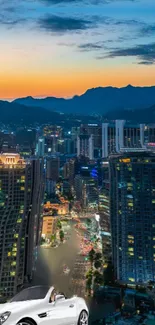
4	317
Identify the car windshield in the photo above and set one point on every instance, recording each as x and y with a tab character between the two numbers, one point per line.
32	293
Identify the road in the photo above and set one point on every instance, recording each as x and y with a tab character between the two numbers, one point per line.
49	269
49	266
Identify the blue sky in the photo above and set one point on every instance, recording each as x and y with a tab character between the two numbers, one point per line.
81	44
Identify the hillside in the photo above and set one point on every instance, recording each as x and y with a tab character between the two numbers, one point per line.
98	100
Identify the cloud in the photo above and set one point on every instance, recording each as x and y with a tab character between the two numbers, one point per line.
11	22
148	30
57	24
88	2
144	53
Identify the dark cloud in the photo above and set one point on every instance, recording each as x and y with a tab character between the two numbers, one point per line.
57	24
144	53
90	46
87	47
89	2
148	30
10	22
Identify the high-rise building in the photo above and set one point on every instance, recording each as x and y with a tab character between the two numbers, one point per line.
52	168
26	139
119	135
104	212
21	196
96	131
132	208
40	150
53	135
85	146
86	190
149	134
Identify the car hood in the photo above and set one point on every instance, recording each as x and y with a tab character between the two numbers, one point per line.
19	305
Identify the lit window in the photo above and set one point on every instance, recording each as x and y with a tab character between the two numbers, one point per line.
12	273
131	237
130	249
22	188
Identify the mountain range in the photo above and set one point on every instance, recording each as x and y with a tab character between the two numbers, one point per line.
136	104
100	100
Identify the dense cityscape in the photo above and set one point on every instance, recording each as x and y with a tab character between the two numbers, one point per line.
77	209
77	162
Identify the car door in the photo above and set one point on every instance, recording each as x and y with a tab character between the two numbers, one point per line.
63	312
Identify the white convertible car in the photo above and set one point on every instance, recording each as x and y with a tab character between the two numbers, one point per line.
41	305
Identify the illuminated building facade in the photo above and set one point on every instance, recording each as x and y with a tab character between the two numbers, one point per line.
86	191
120	135
21	193
132	208
52	134
40	150
61	208
104	212
85	146
96	131
49	226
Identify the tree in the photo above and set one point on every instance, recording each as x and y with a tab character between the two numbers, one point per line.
61	234
109	277
89	280
42	241
98	278
59	224
54	212
91	256
98	256
97	264
53	238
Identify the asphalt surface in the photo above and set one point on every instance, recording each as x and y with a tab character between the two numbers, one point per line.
49	266
49	271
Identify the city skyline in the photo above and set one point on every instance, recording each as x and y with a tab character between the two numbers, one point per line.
62	48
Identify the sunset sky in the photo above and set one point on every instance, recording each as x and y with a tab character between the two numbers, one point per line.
61	48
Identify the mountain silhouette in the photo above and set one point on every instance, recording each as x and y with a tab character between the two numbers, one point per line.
13	113
99	100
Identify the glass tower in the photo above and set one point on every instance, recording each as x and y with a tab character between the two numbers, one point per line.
21	192
132	208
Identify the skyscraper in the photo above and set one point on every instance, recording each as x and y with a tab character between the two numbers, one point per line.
104	212
40	150
132	207
53	166
21	194
85	146
119	135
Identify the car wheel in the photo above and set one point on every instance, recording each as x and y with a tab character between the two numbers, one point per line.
27	322
83	318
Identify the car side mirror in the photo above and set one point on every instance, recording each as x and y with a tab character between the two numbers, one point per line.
58	297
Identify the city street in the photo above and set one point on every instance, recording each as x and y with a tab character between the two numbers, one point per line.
49	266
49	270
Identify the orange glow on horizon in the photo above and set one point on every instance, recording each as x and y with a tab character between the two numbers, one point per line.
70	83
